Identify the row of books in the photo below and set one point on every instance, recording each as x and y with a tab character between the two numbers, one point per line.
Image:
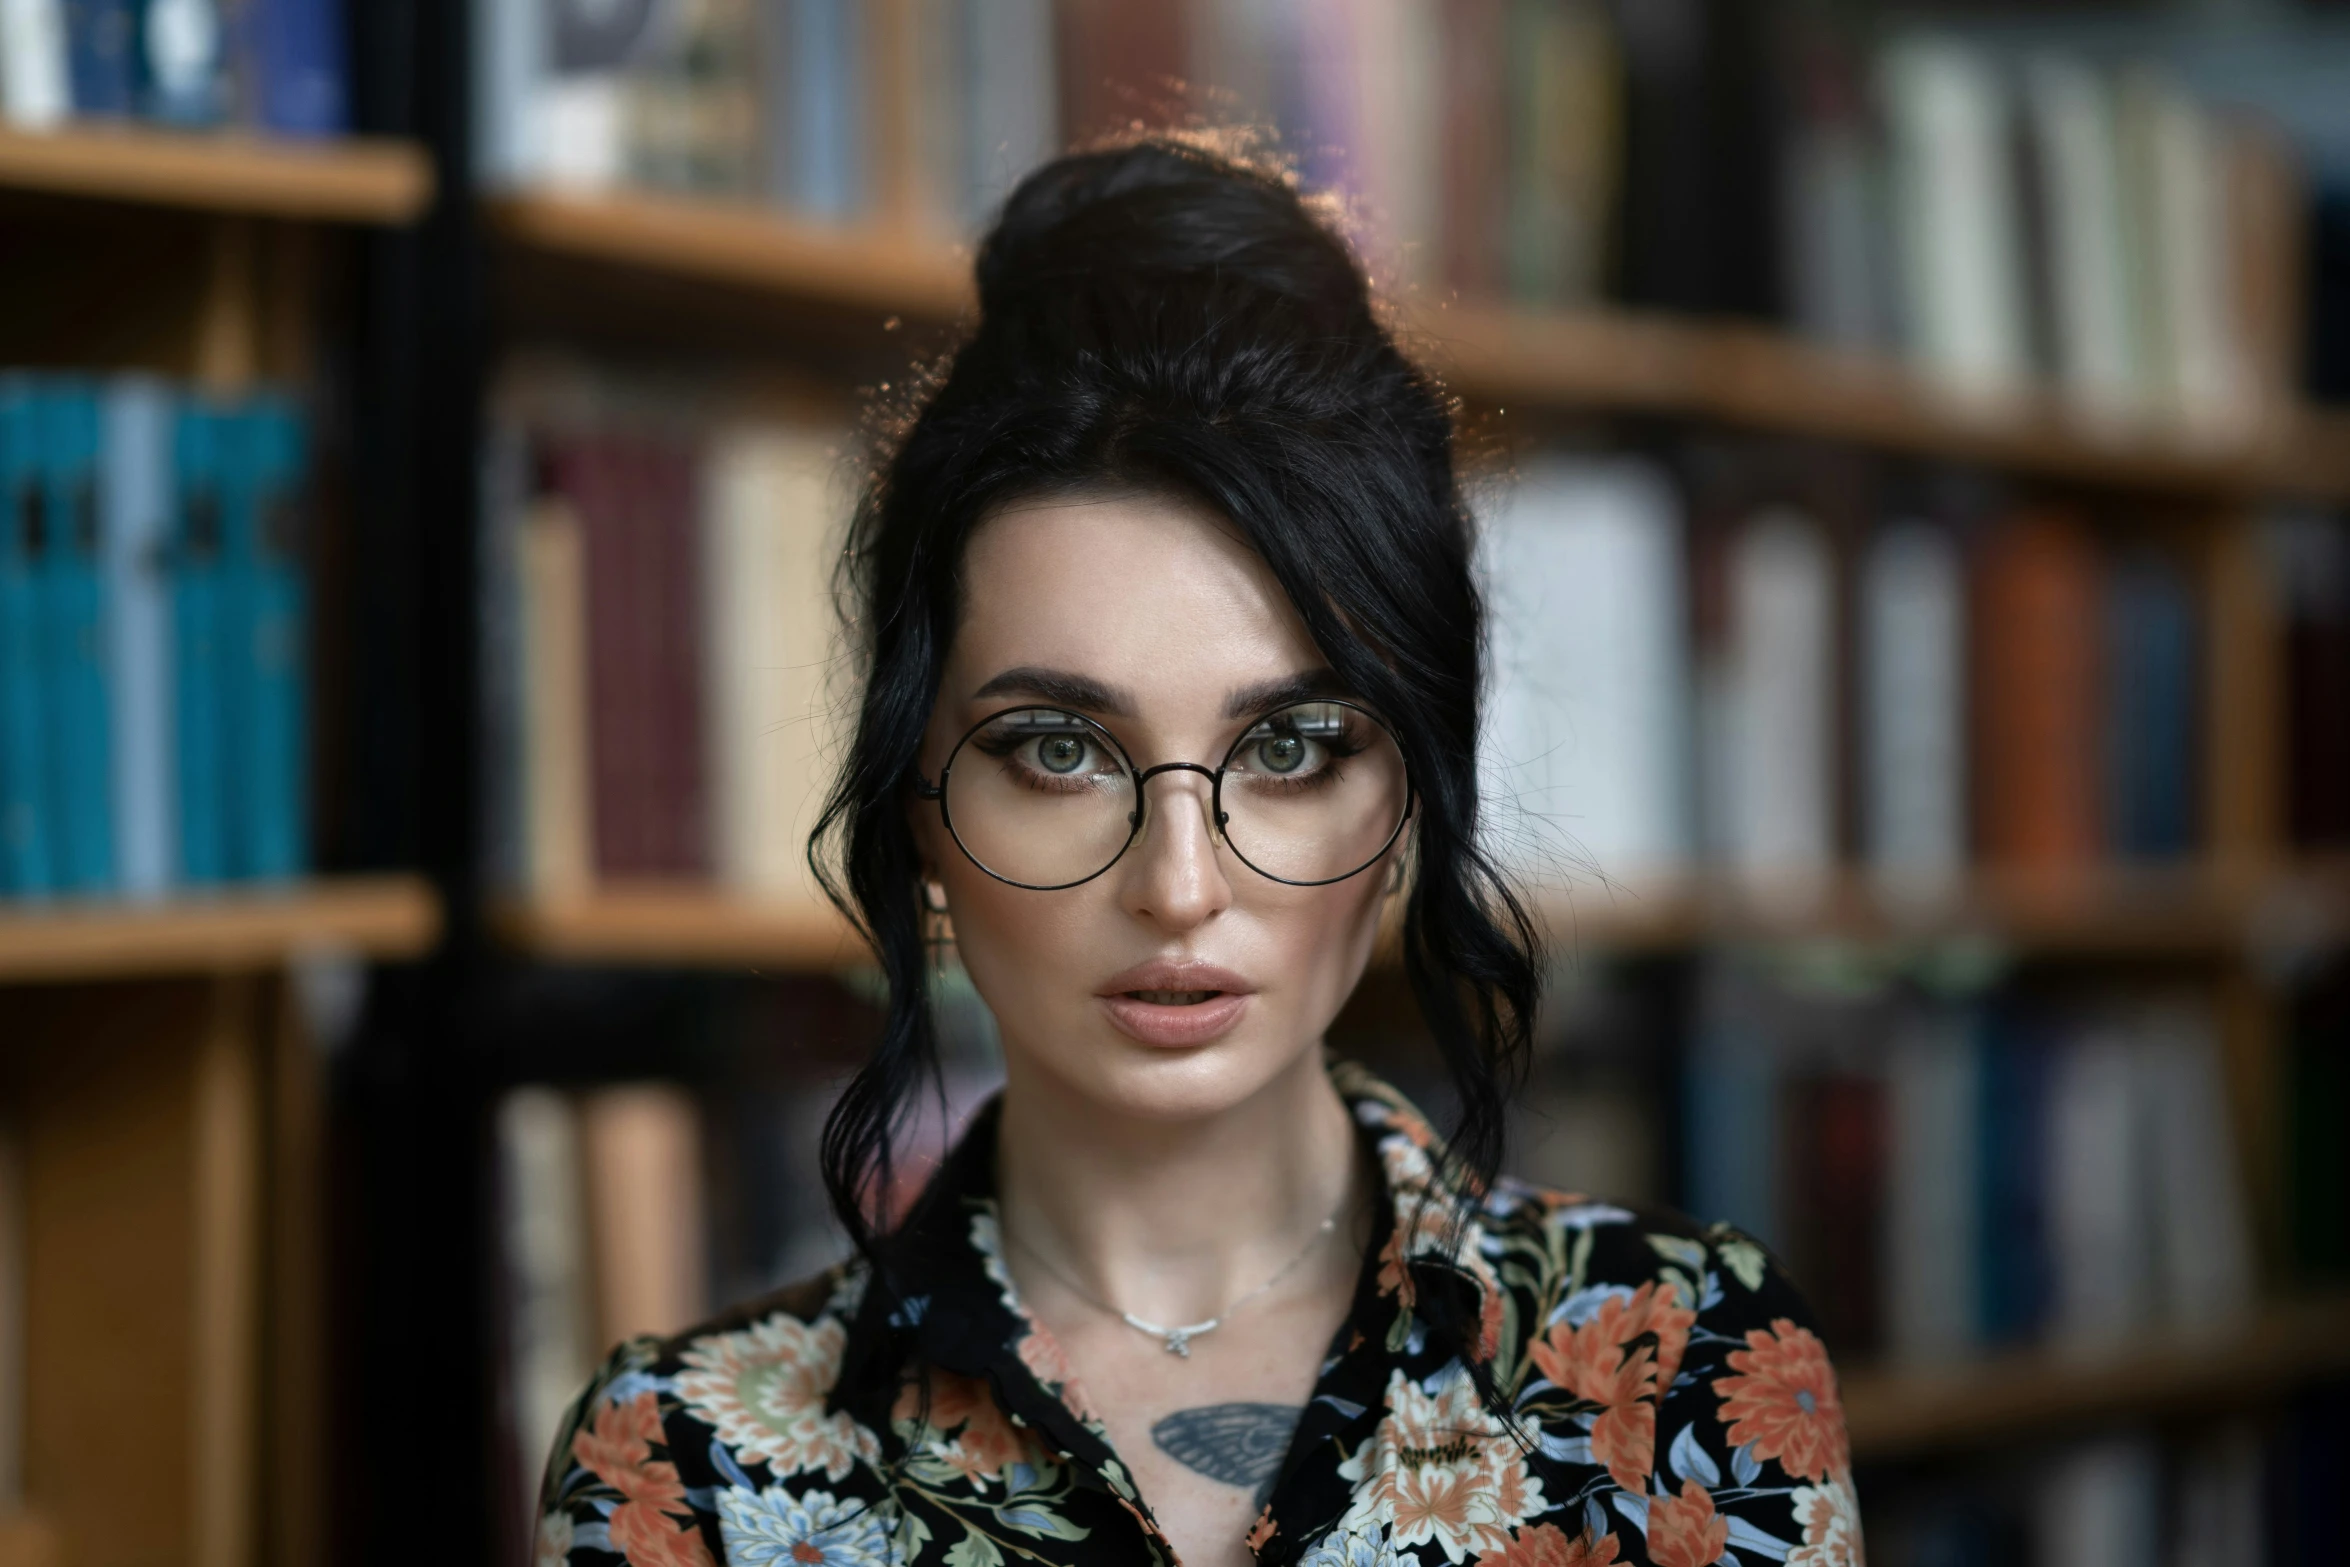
2002	221
660	629
1686	674
2227	1493
1946	1178
276	66
153	625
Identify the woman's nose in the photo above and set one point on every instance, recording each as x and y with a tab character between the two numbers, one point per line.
1175	877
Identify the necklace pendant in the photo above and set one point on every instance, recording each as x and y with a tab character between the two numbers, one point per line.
1179	1344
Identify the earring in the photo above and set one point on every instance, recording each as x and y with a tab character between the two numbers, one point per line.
938	927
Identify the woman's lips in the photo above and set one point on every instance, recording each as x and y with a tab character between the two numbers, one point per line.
1176	1005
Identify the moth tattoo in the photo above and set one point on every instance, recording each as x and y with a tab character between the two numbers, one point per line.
1236	1444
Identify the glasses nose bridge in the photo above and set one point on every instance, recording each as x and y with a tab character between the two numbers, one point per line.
1142	791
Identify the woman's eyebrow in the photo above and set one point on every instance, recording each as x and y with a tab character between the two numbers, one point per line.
1062	688
1265	695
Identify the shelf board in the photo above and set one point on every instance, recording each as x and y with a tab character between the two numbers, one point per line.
349	180
231	929
2151	914
1900	1415
678	925
1596	360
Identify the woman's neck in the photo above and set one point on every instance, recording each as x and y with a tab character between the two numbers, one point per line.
1172	1221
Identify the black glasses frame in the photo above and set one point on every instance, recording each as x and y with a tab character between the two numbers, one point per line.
1142	776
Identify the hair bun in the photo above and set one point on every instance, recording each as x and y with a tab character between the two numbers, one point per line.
1158	220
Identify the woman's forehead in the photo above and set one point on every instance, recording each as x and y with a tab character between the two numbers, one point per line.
1149	593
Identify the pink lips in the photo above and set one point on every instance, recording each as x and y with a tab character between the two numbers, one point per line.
1175	1025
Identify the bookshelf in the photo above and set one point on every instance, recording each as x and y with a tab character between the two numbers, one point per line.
1596	361
235	931
349	180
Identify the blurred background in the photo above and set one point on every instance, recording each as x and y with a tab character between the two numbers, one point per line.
1917	537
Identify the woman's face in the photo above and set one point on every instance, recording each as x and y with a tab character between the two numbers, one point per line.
1181	981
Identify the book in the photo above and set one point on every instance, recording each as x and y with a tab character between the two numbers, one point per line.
2034	695
200	627
26	839
2175	159
101	38
2151	671
183	62
767	626
1562	81
818	86
2011	1164
1947	110
1933	1200
574	130
1474	106
1838	267
1012	115
300	72
2090	257
642	1151
549	1348
1835	1145
135	526
2202	1251
1913	710
1780	762
2097	1167
2099	1504
36	83
551	570
270	644
1587	746
75	676
2309	567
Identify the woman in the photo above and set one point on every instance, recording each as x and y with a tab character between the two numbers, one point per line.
1170	649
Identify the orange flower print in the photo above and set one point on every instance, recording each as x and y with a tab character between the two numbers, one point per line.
1262	1530
1622	1357
1546	1545
1683	1531
618	1450
1440	1469
986	1443
1784	1401
1042	1354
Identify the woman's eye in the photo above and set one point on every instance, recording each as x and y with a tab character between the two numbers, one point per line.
1282	753
1061	753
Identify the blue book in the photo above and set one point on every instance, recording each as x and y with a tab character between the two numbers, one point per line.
300	79
2150	704
134	525
73	585
2013	1172
826	50
24	831
199	629
100	39
264	559
182	62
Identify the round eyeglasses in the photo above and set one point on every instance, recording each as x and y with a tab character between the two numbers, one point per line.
1046	799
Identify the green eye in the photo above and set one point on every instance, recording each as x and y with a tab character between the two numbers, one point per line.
1060	753
1282	754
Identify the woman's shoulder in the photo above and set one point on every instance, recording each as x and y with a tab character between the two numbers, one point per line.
1612	1244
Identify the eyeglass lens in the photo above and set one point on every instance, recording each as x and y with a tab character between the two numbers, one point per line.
1045	798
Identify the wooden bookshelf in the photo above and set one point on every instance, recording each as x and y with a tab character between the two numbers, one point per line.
1902	1415
350	180
232	930
1600	361
678	925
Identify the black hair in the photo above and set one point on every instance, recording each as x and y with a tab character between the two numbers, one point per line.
1161	317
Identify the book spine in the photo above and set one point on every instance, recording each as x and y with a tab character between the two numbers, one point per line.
272	642
36	83
79	765
299	68
2035	695
135	508
25	840
1913	709
183	62
100	35
199	628
1782	721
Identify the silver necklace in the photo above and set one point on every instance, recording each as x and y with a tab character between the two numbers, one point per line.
1176	1341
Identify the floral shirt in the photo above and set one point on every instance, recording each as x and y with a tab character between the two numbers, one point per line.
1669	1404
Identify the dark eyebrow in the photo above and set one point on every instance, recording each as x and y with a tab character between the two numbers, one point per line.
1266	695
1062	688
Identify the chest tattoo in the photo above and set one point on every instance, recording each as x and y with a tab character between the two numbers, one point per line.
1236	1444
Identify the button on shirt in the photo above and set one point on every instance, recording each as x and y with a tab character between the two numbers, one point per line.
1668	1404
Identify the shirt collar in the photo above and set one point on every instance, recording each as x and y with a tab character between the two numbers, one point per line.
951	1303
